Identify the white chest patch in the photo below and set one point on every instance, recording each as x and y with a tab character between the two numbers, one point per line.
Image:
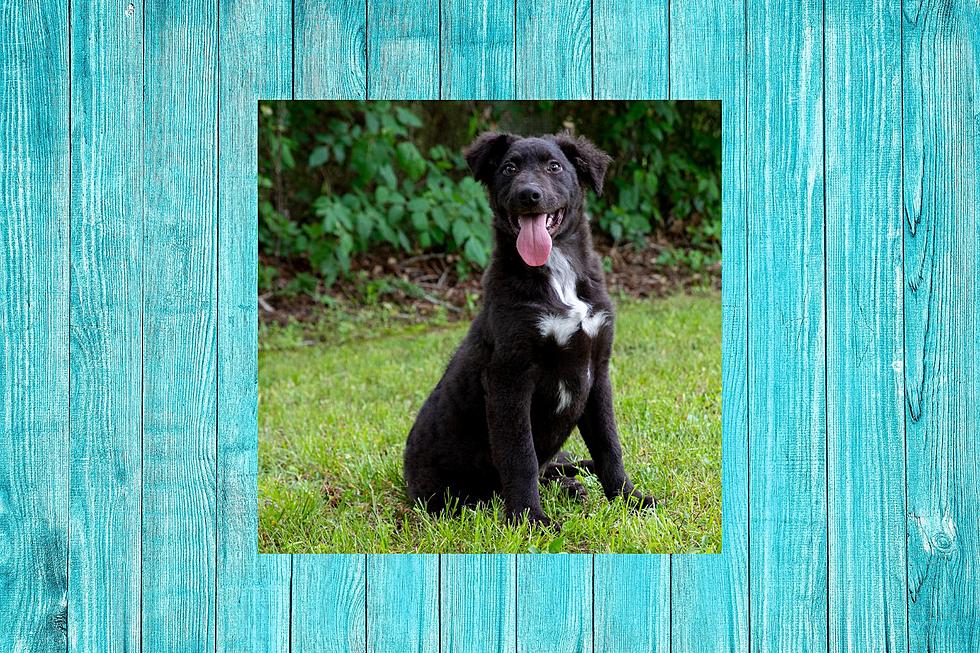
563	326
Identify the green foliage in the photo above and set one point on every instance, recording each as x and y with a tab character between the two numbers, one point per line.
343	178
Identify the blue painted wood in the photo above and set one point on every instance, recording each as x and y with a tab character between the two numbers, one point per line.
632	49
478	596
709	593
403	49
329	49
403	603
786	346
554	603
106	326
255	61
941	141
865	439
631	593
632	603
179	317
34	251
477	592
329	604
328	598
403	63
477	50
554	49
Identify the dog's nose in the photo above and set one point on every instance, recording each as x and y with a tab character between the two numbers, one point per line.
529	195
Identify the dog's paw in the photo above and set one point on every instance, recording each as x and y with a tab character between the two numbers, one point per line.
573	488
536	518
638	501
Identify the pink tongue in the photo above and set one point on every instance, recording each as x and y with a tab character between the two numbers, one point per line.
534	242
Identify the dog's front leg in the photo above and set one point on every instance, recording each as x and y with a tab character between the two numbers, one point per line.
512	445
598	428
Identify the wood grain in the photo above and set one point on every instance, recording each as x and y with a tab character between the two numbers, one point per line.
865	438
477	50
631	49
786	346
329	603
477	592
328	591
554	49
478	596
403	49
632	603
554	603
252	590
403	603
709	601
179	318
941	141
631	593
106	326
34	251
329	49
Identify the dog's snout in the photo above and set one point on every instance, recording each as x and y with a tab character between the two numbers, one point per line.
529	195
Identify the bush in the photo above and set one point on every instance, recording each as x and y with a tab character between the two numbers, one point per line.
338	179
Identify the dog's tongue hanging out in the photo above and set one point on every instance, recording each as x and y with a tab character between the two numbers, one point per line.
534	241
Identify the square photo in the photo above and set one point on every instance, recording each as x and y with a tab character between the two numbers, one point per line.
489	327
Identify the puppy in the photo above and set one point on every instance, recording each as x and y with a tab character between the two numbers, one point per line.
535	362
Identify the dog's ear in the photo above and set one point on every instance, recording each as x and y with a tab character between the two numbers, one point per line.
590	162
483	155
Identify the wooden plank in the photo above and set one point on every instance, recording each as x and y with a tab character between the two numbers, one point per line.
865	406
34	251
554	603
941	64
632	603
632	49
403	49
253	591
631	592
554	592
477	592
478	596
329	603
786	363
329	49
403	603
179	320
554	49
106	327
403	63
329	591
710	592
477	49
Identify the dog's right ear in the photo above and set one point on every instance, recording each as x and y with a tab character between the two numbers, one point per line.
483	155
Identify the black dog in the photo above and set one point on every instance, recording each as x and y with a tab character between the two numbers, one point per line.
535	361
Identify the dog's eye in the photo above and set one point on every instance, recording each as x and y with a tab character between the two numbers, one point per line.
554	166
508	169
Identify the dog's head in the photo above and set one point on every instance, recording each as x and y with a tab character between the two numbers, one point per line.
536	185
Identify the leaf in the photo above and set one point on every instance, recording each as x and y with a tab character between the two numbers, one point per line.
475	252
418	204
460	231
407	118
319	156
556	545
419	221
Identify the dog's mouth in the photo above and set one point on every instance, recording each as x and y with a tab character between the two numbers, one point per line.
535	231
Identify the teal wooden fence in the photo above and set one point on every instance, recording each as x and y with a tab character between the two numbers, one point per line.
851	332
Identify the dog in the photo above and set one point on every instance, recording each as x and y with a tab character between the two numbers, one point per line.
535	362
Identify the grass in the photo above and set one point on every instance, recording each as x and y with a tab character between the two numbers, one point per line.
333	419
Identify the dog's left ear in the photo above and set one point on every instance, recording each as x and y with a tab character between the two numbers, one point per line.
483	155
590	162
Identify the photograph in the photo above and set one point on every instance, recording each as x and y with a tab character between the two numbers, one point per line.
489	327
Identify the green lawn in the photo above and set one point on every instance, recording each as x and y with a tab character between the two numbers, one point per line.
333	422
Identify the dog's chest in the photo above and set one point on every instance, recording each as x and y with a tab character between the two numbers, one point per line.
570	330
561	325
